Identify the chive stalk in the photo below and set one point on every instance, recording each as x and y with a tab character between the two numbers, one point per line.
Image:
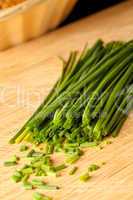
73	171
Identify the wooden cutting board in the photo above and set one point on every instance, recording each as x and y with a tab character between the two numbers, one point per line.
27	73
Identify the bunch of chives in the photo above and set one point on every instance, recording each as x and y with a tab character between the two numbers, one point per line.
91	99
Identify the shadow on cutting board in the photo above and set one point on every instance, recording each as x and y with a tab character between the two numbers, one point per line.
88	7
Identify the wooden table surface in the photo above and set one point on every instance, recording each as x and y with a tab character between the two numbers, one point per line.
27	73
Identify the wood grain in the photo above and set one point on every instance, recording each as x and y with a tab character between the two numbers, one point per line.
27	73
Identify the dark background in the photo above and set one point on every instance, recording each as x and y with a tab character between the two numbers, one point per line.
87	7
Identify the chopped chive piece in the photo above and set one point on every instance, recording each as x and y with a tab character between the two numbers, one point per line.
38	196
85	177
71	145
24	148
48	187
37	164
40	172
72	159
74	151
89	144
108	142
49	170
52	173
93	167
58	148
41	185
10	163
17	177
38	154
15	158
49	148
73	170
29	155
27	185
47	198
25	178
26	166
47	160
33	154
36	182
70	150
28	170
60	167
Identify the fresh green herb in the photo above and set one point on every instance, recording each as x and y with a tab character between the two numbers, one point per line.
31	153
73	170
50	171
82	121
15	158
27	185
58	148
91	100
85	177
73	151
24	148
71	145
60	167
108	142
73	159
89	144
48	187
25	178
47	198
49	148
41	185
38	196
10	163
40	172
17	177
27	170
93	167
36	182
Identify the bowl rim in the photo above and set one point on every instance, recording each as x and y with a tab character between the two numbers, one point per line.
19	8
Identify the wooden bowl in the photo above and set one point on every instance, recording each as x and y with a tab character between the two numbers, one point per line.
31	19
